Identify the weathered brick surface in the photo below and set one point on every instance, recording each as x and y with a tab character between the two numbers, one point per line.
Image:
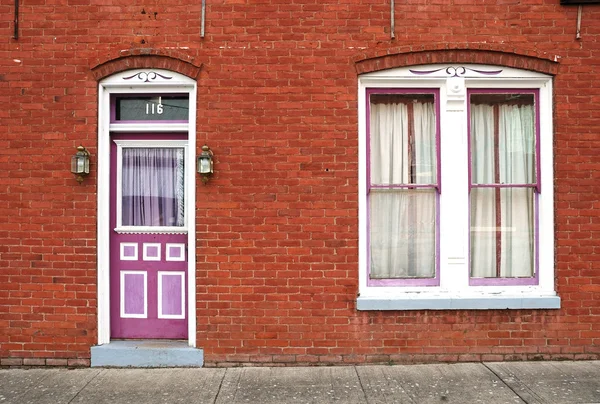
277	226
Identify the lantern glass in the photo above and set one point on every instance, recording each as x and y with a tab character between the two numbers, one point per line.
204	164
80	164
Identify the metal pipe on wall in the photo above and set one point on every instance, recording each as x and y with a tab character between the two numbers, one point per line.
203	18
392	21
16	35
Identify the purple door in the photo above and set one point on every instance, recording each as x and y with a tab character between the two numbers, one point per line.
148	274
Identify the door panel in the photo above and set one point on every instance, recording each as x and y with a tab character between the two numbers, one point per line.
148	241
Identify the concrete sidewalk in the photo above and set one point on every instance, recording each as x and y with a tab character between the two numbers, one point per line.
503	382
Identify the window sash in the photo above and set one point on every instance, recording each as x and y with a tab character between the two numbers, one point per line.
152	187
502	233
403	234
403	144
503	186
403	187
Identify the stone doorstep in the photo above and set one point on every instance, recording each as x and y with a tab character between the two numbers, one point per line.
146	354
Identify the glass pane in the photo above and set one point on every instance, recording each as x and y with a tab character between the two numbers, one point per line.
402	233
503	139
150	108
153	187
502	232
402	131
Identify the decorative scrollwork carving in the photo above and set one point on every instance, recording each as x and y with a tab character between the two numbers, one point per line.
147	76
453	71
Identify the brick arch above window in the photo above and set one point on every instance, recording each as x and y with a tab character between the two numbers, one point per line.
147	59
486	54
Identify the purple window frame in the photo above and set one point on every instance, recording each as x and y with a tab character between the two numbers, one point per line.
435	281
113	108
534	280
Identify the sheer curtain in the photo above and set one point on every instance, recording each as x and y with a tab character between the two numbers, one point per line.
153	187
502	219
402	220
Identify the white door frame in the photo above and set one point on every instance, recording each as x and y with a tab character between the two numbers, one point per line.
139	81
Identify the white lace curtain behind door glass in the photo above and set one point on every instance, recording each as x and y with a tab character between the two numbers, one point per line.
153	187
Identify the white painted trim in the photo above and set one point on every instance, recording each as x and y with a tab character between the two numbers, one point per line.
168	253
454	276
150	230
103	219
126	257
116	85
122	295
145	255
175	144
181	274
148	127
191	223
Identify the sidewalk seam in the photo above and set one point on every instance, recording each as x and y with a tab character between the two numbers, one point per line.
503	382
88	382
361	385
220	385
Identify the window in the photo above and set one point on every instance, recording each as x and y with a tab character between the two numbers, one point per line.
452	213
150	185
503	185
403	187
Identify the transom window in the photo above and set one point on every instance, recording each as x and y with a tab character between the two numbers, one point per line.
452	213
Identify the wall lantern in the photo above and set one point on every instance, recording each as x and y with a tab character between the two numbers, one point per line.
205	163
80	163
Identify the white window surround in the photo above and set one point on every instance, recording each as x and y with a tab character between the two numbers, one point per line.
454	291
142	81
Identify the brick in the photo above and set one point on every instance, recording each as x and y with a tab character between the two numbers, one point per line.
56	362
11	361
34	362
277	224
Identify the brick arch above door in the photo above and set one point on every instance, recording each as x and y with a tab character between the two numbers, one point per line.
488	54
147	59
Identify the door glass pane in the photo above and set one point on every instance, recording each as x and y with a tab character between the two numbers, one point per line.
153	187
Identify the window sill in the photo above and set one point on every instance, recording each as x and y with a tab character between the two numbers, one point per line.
482	302
150	230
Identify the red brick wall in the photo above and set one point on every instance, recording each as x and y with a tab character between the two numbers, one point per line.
277	226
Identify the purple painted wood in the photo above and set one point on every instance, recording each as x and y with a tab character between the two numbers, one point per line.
134	300
534	280
175	252
151	326
129	251
171	295
435	281
153	251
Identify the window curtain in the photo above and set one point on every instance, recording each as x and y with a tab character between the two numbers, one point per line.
153	187
502	219
402	220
